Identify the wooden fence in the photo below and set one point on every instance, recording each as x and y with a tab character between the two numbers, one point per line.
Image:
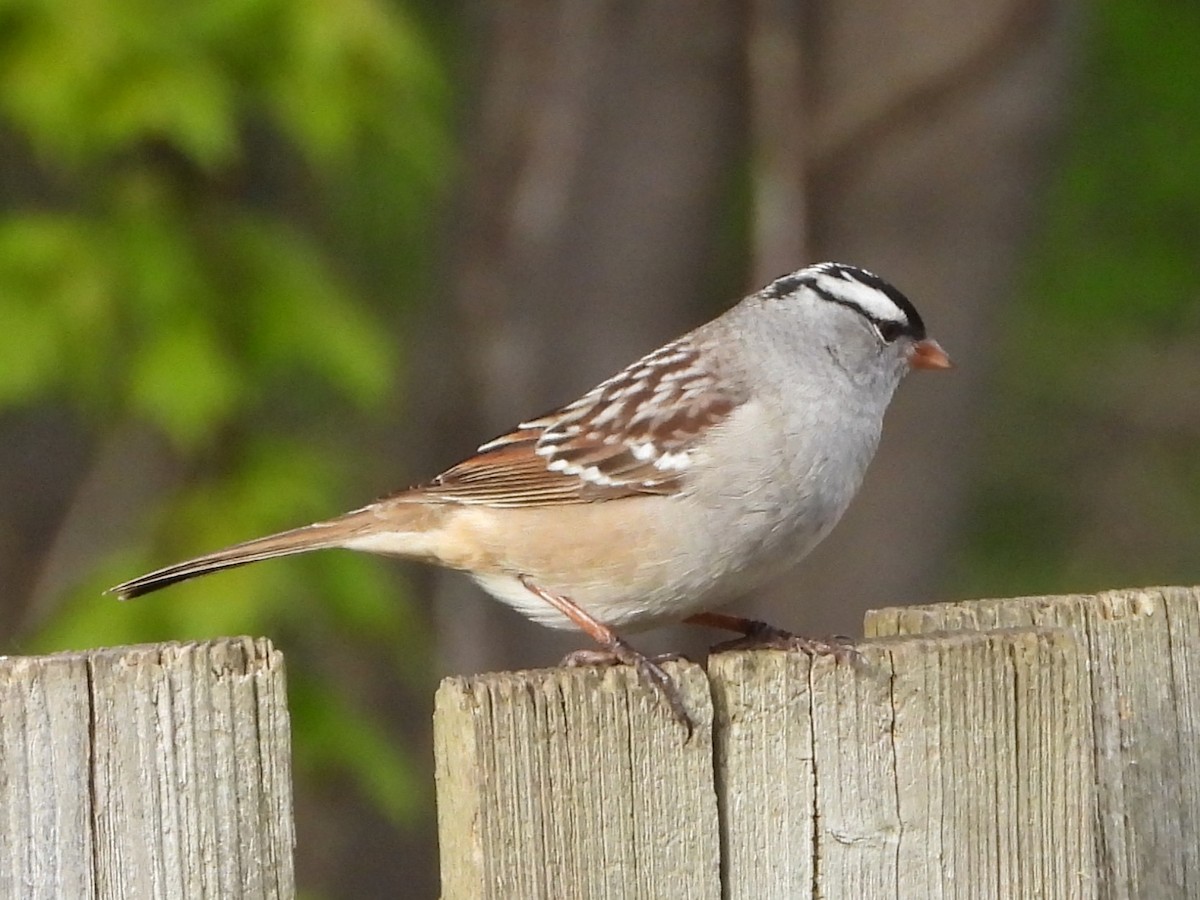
1043	747
159	771
1038	747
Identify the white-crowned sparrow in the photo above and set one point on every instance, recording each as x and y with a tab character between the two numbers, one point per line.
692	476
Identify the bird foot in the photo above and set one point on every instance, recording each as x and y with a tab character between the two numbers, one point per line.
595	657
649	670
761	636
614	650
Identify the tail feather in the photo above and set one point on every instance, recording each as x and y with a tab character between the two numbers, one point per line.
322	535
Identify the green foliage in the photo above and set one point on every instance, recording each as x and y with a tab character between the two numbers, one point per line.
97	77
169	265
1119	250
1086	485
58	295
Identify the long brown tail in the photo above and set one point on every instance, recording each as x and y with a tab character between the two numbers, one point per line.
320	536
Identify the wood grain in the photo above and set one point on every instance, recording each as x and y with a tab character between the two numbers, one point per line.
935	767
1144	658
940	767
575	783
150	771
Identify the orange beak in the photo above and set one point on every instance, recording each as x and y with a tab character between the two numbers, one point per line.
928	354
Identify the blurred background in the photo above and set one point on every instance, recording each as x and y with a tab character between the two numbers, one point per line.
262	261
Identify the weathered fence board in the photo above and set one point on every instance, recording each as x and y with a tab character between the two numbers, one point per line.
948	767
1144	659
1038	747
150	771
567	783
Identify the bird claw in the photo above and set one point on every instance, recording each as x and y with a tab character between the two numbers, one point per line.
767	637
649	671
591	656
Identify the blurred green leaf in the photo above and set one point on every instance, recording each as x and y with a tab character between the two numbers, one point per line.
30	349
184	382
56	298
202	187
299	317
368	55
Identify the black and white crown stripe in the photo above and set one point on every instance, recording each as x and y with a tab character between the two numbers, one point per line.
860	290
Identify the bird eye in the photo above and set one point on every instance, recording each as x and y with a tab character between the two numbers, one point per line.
889	331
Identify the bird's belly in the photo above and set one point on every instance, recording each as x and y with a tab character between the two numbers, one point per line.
619	610
686	562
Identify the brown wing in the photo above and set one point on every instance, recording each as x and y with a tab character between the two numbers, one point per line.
633	434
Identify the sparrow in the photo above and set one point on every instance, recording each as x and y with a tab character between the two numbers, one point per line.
693	476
